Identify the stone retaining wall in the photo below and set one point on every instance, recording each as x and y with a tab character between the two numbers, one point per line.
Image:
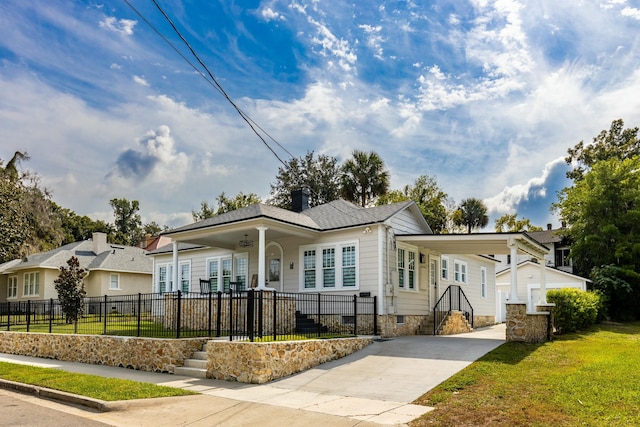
258	363
527	327
145	354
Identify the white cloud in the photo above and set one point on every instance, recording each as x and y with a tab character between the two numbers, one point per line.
631	12
508	200
270	15
374	39
141	81
121	26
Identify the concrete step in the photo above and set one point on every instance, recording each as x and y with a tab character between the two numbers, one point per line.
200	355
195	363
190	372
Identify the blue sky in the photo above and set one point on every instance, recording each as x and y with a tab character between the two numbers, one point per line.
486	96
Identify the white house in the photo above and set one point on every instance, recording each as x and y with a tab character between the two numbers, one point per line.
385	251
529	278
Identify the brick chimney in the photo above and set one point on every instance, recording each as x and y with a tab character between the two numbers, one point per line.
99	243
300	200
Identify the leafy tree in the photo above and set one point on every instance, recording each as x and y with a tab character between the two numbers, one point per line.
363	178
71	293
616	143
603	213
128	223
153	228
225	204
428	196
511	223
319	174
79	227
27	222
471	213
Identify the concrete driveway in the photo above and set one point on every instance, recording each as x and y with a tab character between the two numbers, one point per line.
374	386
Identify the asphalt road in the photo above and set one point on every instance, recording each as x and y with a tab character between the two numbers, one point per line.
19	410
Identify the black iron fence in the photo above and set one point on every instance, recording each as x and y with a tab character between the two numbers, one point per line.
236	314
453	299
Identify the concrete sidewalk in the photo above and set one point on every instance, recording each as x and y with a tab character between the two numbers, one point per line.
376	386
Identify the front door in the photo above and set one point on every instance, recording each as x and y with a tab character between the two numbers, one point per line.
273	266
433	282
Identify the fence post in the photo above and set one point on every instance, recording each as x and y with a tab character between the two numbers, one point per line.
139	310
50	315
230	314
178	320
275	314
28	314
104	331
319	308
260	313
210	307
8	315
219	314
355	314
250	313
375	315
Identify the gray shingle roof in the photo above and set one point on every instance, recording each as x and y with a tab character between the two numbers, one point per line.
116	258
330	216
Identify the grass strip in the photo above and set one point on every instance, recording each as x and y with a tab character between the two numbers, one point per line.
108	389
588	379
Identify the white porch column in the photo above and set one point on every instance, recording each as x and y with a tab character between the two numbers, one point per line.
513	295
175	285
261	255
543	281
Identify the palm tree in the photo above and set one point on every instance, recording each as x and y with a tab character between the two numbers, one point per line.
472	213
363	178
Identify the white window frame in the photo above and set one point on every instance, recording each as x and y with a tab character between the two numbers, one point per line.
483	282
117	281
168	267
12	287
407	258
460	271
184	268
234	275
444	268
316	266
31	284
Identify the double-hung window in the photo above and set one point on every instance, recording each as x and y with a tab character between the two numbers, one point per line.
483	282
309	265
185	276
459	271
31	284
226	269
329	266
407	269
349	266
12	290
444	268
163	279
114	281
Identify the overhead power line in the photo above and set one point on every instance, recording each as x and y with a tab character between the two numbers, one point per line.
211	79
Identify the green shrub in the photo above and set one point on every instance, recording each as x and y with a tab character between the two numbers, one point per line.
575	309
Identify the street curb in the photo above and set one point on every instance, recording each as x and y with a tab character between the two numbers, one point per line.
57	395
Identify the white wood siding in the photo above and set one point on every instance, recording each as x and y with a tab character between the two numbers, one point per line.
472	289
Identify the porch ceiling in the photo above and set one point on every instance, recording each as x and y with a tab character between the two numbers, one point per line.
478	243
229	235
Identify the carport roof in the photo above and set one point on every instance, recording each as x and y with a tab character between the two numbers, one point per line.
477	243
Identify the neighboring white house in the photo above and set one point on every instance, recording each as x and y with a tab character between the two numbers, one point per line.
112	270
386	251
529	284
558	245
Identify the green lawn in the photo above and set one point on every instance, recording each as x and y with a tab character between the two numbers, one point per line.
109	389
584	379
